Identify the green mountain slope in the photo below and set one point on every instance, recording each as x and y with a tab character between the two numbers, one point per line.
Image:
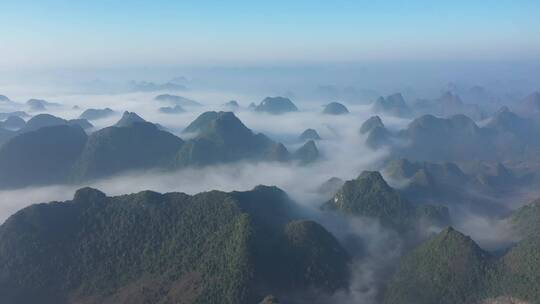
222	137
449	268
213	247
115	149
369	195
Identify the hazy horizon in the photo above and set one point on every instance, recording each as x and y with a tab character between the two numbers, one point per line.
164	33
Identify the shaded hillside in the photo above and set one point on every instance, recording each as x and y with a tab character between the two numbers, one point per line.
370	196
115	149
222	137
43	156
276	105
449	268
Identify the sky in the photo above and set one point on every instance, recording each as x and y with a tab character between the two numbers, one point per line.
102	33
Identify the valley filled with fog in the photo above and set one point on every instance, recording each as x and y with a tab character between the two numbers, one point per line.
459	156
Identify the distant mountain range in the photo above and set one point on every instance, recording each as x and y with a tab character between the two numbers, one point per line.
505	136
133	144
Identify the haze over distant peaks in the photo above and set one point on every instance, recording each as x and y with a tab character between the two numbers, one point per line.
13	123
370	196
177	100
307	153
145	86
530	105
94	114
335	108
392	105
276	105
172	110
309	134
39	105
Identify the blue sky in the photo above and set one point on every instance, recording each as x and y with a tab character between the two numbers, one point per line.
164	33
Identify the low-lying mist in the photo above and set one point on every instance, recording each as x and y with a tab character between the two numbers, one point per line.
344	154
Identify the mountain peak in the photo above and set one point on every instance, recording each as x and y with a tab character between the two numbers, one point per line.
88	194
223	126
309	134
451	260
370	124
128	119
393	104
276	105
43	120
307	153
335	108
93	114
177	100
449	97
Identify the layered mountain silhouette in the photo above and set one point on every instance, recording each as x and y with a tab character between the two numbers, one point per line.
47	120
146	86
134	144
505	136
39	105
94	114
392	105
6	115
13	123
452	268
231	105
447	183
307	153
172	110
138	145
331	186
529	106
213	247
176	100
377	134
440	139
447	105
222	137
42	156
81	122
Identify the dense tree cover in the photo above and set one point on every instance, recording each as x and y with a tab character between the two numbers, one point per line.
451	268
115	149
369	195
222	137
212	247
